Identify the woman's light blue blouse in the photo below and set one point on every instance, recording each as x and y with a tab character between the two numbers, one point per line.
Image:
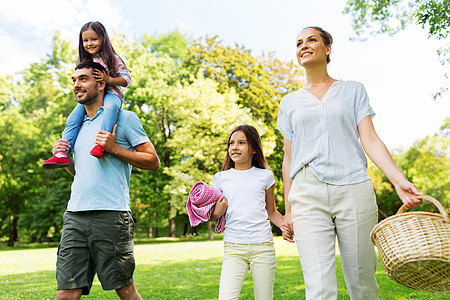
324	132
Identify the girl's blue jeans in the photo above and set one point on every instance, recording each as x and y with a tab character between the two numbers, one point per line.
111	107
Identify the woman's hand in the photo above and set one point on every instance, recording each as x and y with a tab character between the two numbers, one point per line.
407	193
100	76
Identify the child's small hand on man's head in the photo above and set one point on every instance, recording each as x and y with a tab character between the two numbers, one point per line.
100	76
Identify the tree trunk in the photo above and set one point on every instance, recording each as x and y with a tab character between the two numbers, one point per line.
12	235
210	232
150	228
15	230
172	227
150	231
187	229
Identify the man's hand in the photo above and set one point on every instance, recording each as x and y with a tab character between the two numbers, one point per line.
107	140
61	145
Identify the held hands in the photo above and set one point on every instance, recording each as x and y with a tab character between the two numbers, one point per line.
220	208
107	140
288	230
407	192
100	76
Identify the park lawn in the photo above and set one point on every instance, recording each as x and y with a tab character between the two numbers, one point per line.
175	270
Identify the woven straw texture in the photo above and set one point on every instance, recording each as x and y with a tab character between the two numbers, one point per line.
414	248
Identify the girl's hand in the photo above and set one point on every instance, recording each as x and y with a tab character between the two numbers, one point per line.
220	208
100	76
407	193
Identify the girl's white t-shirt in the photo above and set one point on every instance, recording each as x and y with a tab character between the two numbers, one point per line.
246	218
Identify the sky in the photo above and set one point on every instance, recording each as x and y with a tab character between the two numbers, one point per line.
400	73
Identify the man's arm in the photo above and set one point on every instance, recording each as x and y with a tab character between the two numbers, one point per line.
144	157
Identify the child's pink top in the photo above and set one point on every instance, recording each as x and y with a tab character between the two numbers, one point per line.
119	71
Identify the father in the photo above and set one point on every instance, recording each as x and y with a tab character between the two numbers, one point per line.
98	226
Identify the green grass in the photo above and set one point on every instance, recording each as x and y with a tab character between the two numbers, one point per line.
175	270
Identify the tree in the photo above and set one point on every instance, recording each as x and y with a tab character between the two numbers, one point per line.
155	81
17	165
33	107
426	164
171	87
203	120
260	83
392	16
154	95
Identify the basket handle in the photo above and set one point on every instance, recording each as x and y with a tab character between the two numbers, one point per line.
435	202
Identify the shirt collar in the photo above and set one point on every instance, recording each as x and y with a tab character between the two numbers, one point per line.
99	112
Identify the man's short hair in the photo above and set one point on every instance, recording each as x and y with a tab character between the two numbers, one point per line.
90	65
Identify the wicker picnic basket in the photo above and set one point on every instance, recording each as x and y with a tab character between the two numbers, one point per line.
414	248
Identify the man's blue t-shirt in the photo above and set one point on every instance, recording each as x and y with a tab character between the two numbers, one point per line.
103	184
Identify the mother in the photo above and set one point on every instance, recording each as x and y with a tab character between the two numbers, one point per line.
325	176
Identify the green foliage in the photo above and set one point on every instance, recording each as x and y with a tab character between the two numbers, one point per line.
426	164
17	165
435	15
429	165
189	95
392	16
174	44
5	92
32	118
260	83
203	120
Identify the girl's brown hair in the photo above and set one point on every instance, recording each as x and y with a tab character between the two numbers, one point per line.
325	35
254	141
107	52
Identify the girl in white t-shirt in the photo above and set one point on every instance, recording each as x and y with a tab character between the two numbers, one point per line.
248	203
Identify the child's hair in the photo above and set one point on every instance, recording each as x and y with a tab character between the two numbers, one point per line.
254	141
107	51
